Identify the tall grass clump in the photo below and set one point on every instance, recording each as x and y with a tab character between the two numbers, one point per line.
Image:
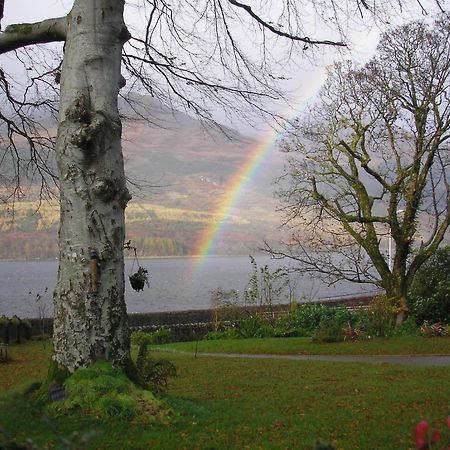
153	373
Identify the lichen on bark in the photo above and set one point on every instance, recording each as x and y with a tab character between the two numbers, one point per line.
91	325
19	28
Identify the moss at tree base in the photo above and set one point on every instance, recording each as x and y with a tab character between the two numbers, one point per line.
56	376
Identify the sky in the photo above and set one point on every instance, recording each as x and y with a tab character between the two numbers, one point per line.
304	81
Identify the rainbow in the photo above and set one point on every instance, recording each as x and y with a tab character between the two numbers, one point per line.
363	46
239	180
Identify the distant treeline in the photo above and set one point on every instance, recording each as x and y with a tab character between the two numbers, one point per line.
31	231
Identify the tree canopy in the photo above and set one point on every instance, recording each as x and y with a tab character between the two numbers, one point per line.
369	163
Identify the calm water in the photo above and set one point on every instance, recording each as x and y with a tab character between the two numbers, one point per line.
176	284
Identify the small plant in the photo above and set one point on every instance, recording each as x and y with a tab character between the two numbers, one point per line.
328	331
254	327
425	441
265	288
161	336
42	309
228	333
407	328
433	330
352	333
319	445
224	306
153	373
379	318
139	279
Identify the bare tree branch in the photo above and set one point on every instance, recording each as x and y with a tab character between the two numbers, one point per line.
278	32
21	35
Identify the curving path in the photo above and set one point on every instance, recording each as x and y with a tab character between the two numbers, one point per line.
406	360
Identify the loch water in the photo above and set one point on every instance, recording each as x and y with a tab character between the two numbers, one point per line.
176	284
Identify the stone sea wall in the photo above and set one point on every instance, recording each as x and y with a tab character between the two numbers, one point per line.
194	324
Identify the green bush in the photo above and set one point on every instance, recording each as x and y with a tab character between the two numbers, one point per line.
344	316
379	318
153	373
254	327
299	322
307	318
329	330
407	328
161	336
283	328
227	333
429	295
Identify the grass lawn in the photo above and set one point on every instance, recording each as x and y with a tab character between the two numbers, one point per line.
405	345
236	404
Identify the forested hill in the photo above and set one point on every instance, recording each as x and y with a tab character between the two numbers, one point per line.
179	171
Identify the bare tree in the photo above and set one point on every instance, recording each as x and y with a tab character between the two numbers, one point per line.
369	163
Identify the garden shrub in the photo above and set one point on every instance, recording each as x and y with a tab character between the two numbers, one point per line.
329	330
303	320
429	295
307	318
224	307
161	336
254	327
407	328
433	330
284	328
227	333
344	316
352	332
379	318
153	373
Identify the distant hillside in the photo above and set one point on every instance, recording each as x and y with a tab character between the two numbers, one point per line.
179	170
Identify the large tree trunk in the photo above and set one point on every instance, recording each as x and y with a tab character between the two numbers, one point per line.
90	321
396	290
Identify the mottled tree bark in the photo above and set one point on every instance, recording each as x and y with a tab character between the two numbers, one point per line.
90	321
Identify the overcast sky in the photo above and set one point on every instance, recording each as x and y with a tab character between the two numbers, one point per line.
304	82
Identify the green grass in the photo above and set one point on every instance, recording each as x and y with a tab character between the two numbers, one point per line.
405	345
236	404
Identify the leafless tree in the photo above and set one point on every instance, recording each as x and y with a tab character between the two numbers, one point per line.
369	163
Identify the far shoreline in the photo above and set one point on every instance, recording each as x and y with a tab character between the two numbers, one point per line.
256	254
